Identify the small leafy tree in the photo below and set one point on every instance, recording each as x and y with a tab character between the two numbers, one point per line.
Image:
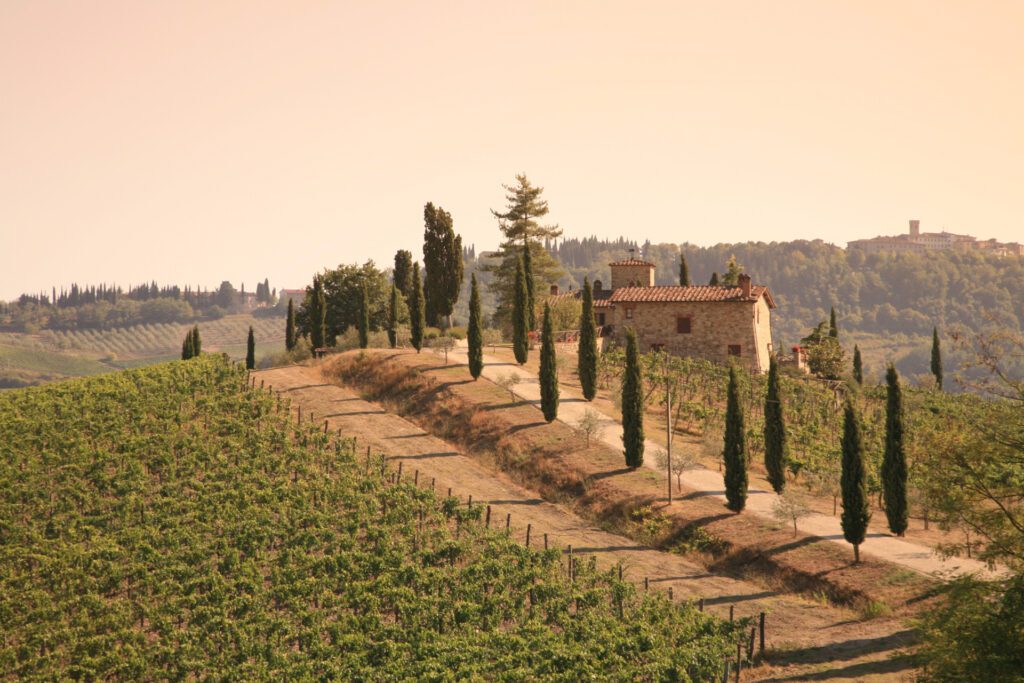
548	369
790	508
475	335
732	272
632	405
444	344
682	460
508	382
587	353
734	453
853	482
250	350
589	425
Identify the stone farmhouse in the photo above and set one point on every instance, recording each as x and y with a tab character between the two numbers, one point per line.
719	323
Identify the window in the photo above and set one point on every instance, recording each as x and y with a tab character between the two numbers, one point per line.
600	319
734	349
683	325
657	347
629	314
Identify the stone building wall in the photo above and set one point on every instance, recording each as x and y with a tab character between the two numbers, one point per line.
632	276
714	327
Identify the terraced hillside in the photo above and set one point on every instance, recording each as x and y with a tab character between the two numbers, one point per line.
168	523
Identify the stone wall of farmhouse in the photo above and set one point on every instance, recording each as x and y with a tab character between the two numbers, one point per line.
714	327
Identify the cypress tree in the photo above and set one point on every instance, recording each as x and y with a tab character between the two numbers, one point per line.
417	319
936	359
475	333
894	463
521	316
531	302
833	329
587	353
364	318
684	271
197	343
775	452
853	482
858	366
186	346
632	405
402	275
250	350
735	451
289	327
548	369
714	279
393	317
317	310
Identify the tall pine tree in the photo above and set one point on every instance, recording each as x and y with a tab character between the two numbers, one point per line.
858	366
548	369
289	327
442	261
775	449
586	365
250	350
833	328
684	271
393	317
632	405
894	462
735	451
475	333
364	318
853	482
197	342
316	312
520	224
417	319
186	346
936	359
521	317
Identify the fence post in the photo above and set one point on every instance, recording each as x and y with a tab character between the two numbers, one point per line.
508	522
416	478
469	503
528	528
670	593
647	583
398	477
545	541
762	634
750	644
700	604
739	659
732	611
487	522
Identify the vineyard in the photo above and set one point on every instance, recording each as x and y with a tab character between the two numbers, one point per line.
168	522
813	410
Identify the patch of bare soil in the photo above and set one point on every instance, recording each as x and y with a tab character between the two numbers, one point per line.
807	639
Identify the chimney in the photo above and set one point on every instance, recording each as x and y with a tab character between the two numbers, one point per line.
744	282
915	228
554	290
597	286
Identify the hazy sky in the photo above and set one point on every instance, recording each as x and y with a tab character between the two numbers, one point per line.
197	141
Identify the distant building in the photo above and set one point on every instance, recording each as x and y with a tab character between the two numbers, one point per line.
717	323
916	241
296	295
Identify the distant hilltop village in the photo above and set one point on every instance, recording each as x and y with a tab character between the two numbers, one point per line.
917	241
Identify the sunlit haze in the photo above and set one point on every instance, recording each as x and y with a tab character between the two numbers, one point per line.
190	142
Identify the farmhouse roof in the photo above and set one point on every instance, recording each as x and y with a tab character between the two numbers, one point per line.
631	262
702	293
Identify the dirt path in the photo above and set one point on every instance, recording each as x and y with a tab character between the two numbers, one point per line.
815	642
705	482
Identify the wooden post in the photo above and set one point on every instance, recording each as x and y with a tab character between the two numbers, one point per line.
469	503
416	478
433	480
300	414
647	583
739	659
545	541
508	522
620	571
261	385
398	477
449	491
529	527
668	429
750	644
728	666
325	427
732	610
700	604
670	593
487	522
570	563
762	633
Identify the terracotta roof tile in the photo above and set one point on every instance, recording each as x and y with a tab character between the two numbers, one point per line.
688	294
631	262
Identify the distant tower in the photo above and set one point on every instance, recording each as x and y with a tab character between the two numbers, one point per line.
915	228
